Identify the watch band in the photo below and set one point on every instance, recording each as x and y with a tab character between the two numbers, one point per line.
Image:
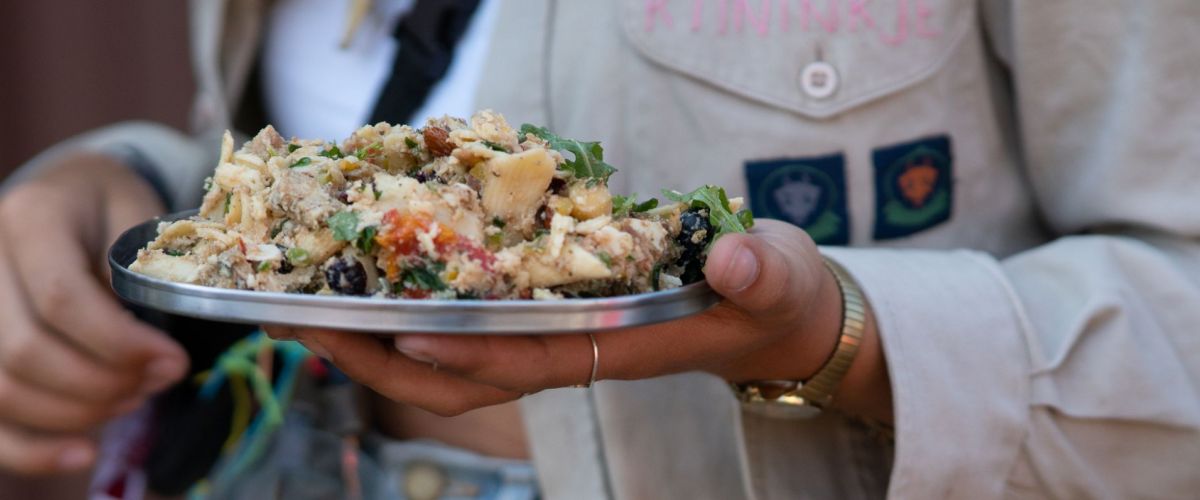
817	391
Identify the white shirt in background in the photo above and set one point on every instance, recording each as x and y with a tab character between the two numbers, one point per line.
314	88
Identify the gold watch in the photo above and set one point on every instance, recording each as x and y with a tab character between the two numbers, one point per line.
793	398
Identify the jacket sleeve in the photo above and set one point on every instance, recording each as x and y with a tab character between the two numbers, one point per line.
173	163
1070	370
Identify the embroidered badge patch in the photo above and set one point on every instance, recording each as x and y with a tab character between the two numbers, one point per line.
913	184
808	192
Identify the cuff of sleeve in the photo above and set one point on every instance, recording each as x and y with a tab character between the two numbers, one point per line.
953	336
174	164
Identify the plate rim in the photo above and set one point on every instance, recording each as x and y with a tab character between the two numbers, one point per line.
122	277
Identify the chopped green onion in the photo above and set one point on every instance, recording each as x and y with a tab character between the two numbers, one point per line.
297	256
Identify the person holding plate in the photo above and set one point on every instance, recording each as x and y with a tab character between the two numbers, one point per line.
982	241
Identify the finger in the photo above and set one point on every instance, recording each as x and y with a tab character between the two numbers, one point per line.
135	202
377	365
522	364
27	453
38	357
532	363
280	332
44	411
55	275
768	273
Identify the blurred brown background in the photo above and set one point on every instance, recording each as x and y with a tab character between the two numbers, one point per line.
72	65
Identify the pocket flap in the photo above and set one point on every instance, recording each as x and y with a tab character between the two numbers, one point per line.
760	48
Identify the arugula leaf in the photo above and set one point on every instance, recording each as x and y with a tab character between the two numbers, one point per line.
303	162
589	156
720	215
344	226
625	205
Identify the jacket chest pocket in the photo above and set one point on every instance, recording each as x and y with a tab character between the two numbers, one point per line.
813	57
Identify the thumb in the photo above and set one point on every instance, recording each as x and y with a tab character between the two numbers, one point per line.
767	273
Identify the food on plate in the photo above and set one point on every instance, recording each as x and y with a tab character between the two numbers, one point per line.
456	209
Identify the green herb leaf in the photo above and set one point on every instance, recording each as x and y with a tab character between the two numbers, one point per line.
424	278
297	256
278	228
303	162
498	222
625	205
495	147
264	266
720	215
344	226
589	156
366	239
646	206
292	148
605	258
208	184
228	201
411	143
495	241
174	253
332	152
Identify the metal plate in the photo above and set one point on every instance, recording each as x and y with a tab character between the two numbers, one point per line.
393	315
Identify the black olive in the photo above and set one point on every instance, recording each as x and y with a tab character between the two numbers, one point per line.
343	196
423	176
695	234
346	276
285	267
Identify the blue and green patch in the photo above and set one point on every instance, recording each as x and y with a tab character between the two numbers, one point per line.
808	192
913	186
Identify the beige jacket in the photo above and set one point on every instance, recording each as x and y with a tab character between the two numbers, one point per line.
1017	182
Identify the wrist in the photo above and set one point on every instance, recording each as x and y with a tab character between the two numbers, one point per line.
864	388
808	341
102	175
98	194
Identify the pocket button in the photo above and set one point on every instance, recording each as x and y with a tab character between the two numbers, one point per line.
819	79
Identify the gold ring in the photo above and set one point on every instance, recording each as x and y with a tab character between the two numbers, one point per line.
595	363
